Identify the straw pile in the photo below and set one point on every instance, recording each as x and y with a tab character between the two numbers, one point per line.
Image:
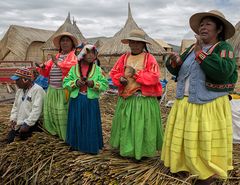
44	159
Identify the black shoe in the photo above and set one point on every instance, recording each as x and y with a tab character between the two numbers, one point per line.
11	136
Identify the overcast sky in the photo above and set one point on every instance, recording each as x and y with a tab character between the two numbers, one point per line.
165	19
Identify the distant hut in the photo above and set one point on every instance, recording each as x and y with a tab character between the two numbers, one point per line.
76	31
185	44
68	26
99	43
23	43
165	45
113	47
235	42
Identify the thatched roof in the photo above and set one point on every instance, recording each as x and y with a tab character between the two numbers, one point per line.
114	47
186	43
94	40
17	40
67	26
99	43
235	40
163	44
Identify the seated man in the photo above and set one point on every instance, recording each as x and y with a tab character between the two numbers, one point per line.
27	106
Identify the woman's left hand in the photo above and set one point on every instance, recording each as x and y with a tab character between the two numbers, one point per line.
90	83
130	70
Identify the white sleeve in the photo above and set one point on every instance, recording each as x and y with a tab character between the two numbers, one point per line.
37	106
14	111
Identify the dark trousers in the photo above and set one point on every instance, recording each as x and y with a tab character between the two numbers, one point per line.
23	136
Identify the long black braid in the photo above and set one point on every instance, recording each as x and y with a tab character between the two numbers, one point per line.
145	47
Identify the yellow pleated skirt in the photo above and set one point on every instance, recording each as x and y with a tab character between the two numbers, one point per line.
198	138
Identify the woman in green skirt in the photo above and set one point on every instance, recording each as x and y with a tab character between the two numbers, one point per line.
136	128
55	109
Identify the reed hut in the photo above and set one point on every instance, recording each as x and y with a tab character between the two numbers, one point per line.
113	47
165	45
23	43
235	42
67	26
99	43
185	44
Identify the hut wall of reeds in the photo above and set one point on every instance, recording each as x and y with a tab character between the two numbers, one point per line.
34	52
18	41
185	44
235	42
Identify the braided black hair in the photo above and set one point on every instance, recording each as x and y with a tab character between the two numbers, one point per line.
145	47
84	78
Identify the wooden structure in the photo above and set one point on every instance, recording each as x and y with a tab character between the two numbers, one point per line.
7	69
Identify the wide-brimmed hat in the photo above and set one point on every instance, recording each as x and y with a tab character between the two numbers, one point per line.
195	20
136	35
22	73
56	40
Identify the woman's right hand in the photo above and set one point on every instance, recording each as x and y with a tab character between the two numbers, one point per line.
42	65
175	59
123	81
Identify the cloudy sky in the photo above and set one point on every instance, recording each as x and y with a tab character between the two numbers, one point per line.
165	19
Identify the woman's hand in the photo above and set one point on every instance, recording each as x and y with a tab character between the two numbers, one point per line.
40	65
123	81
198	45
90	83
80	83
130	71
175	59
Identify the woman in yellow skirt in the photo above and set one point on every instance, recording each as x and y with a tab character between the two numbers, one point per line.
198	135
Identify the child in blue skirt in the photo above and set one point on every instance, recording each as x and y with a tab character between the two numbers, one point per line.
85	81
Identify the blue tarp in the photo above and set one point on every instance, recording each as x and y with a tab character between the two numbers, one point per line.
42	81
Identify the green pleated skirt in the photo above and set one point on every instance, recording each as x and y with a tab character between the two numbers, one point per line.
55	112
137	129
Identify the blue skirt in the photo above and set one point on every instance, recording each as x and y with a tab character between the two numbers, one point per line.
84	129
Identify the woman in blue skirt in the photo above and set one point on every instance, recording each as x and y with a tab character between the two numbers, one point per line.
85	81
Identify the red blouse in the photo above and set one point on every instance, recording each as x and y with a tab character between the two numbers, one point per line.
148	77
